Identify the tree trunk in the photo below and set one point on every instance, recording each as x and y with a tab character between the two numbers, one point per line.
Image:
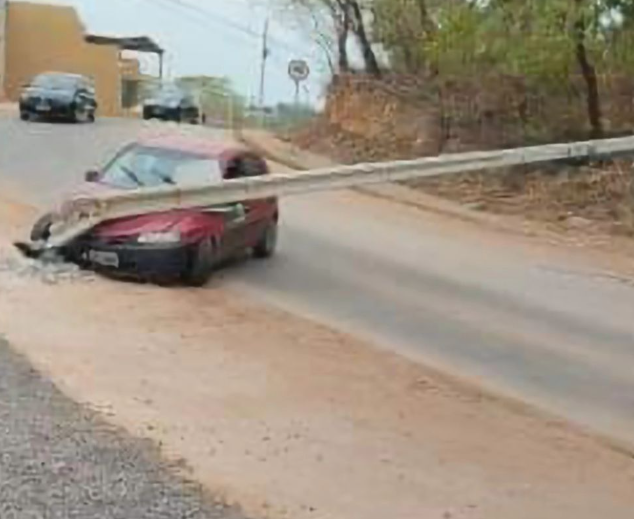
589	73
343	30
423	15
371	63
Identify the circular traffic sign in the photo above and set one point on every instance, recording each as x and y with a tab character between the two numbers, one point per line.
298	70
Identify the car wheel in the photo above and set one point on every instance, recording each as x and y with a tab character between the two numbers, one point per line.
201	264
25	116
91	117
80	115
42	228
268	243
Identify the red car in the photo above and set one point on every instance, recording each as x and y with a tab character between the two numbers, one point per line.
181	245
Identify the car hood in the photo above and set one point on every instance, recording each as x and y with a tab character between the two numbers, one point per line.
136	225
49	93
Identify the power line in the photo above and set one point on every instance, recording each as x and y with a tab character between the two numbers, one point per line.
224	21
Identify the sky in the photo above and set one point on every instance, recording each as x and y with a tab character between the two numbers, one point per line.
213	37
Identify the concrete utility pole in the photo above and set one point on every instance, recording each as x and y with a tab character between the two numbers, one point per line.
265	56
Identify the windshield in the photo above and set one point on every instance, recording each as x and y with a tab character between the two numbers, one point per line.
55	82
169	95
142	166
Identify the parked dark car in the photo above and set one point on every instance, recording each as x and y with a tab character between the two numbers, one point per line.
57	95
180	245
172	104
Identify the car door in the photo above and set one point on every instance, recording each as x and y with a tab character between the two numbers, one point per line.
83	97
190	109
259	212
234	215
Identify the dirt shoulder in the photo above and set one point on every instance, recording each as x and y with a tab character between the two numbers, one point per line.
291	419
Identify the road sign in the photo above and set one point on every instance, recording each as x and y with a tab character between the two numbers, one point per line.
298	70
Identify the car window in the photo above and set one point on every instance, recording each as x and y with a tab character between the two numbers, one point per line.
55	82
252	166
246	165
141	166
169	96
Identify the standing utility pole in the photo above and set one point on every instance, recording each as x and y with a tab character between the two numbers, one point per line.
265	55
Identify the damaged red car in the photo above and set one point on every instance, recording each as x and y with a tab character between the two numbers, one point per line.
180	245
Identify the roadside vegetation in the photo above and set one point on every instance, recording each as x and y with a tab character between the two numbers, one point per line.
423	77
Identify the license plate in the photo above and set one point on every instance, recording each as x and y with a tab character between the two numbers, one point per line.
105	259
43	107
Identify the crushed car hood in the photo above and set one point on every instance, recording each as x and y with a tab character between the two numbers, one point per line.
135	225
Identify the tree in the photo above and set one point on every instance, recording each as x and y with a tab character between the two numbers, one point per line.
359	27
581	25
345	17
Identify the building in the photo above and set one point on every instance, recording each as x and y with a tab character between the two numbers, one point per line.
3	25
36	38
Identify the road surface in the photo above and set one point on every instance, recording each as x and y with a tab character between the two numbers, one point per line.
533	326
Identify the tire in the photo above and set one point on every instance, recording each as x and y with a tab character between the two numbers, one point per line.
92	117
201	264
25	116
75	115
268	243
42	228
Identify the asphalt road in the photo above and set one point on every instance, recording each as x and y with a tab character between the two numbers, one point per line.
537	328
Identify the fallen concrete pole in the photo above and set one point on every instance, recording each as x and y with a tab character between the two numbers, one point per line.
81	214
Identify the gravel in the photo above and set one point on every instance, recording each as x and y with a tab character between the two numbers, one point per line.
52	271
59	460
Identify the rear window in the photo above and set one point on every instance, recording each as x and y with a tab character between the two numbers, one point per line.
141	166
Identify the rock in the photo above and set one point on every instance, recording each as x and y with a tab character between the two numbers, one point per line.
476	206
578	222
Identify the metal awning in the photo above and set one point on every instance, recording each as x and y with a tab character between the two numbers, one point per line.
135	43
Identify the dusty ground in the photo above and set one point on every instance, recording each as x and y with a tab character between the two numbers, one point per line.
286	417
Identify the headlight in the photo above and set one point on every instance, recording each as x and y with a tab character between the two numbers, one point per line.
160	237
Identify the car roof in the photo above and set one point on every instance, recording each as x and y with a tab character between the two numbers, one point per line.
212	148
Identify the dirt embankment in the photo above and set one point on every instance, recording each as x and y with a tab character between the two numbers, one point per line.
371	121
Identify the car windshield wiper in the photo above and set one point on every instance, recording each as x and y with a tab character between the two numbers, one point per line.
132	175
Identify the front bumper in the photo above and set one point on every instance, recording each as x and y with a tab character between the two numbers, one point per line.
162	113
47	108
141	261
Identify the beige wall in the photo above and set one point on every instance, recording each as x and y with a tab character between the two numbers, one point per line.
44	38
3	7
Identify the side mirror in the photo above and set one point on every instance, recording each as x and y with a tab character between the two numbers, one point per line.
91	176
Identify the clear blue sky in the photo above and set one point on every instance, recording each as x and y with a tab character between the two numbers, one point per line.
213	37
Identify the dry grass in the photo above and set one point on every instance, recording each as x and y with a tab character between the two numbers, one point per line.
600	196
